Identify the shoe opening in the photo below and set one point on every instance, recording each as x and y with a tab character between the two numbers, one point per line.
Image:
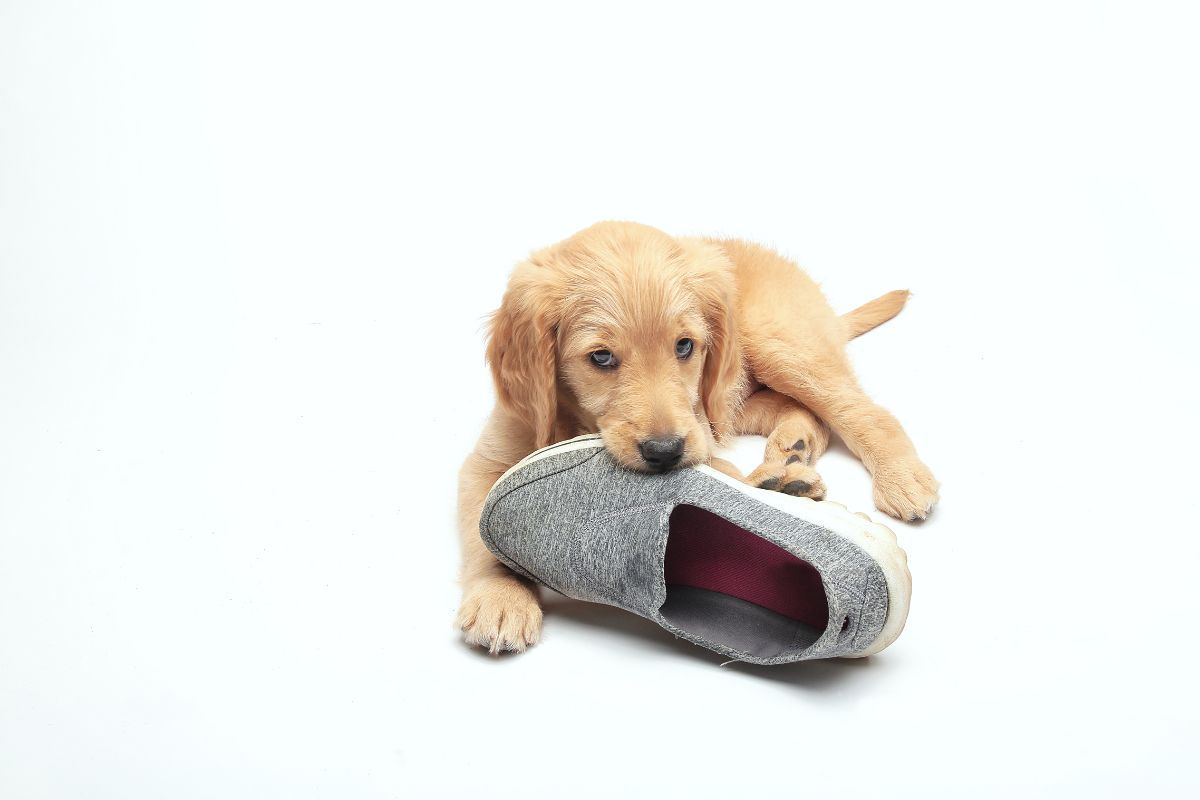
728	586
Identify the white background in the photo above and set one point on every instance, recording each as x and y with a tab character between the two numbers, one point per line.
245	254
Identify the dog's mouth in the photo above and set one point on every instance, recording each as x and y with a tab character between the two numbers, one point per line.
638	465
656	469
654	456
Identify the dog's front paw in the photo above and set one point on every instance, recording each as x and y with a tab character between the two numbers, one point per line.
790	476
500	614
906	490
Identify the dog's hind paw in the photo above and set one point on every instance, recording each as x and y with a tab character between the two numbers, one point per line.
906	490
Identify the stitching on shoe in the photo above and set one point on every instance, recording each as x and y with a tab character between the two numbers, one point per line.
486	523
858	628
591	524
862	607
540	477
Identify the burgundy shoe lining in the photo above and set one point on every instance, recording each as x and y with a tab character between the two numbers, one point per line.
705	551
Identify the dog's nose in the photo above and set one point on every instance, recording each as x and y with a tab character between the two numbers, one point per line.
662	453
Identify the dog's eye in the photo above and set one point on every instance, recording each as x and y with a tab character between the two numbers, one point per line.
683	348
604	359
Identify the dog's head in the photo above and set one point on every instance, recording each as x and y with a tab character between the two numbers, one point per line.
624	330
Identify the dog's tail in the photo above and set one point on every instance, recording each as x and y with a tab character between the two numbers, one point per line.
873	314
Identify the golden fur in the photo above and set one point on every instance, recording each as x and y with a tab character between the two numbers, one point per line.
768	358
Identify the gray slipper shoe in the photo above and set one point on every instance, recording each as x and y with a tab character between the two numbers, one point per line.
755	575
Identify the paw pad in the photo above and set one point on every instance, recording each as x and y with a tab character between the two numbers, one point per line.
797	487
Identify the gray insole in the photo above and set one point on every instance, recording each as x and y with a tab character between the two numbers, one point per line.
734	622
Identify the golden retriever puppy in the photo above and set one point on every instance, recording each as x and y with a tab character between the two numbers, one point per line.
665	346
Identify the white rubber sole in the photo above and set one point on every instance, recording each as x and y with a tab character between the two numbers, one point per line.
877	540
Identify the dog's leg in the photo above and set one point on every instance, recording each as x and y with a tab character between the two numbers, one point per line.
796	345
499	610
904	486
721	465
795	440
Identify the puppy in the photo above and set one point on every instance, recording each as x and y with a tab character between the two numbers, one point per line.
667	346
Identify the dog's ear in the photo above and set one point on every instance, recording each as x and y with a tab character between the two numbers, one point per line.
521	353
721	381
